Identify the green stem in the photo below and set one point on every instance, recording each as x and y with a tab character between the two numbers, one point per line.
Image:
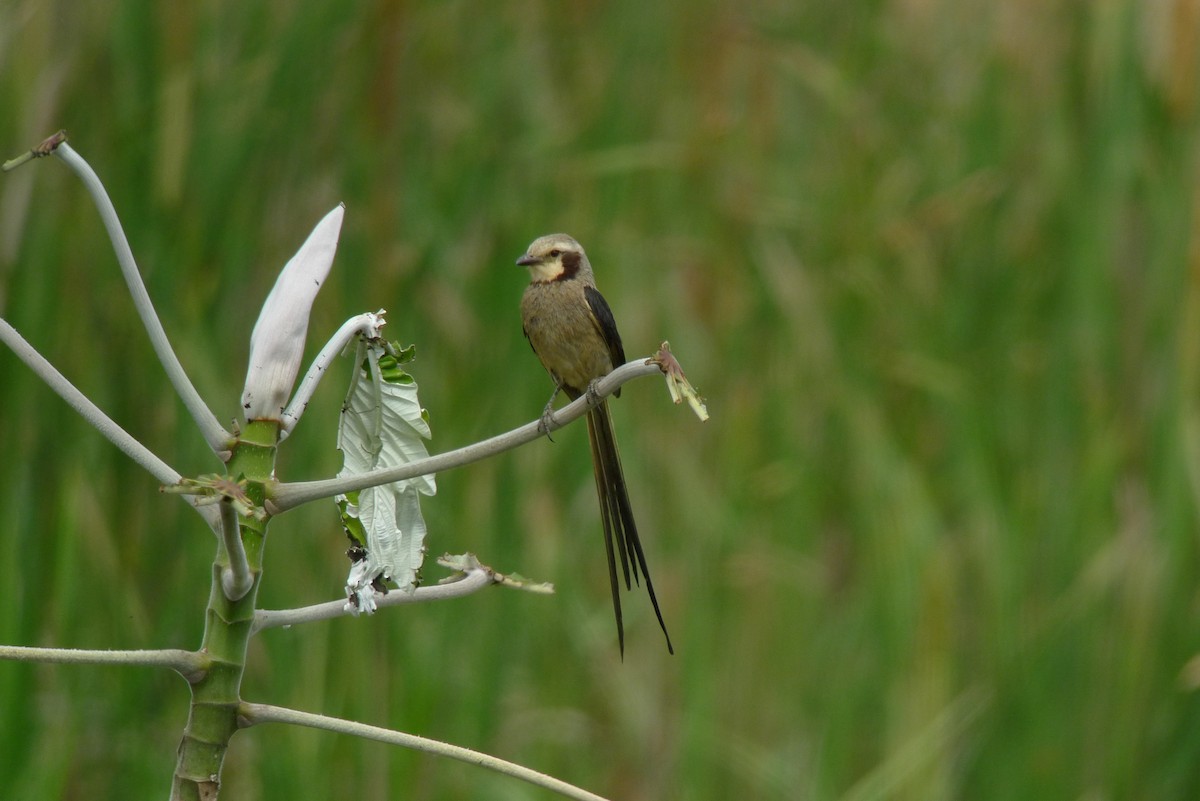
216	695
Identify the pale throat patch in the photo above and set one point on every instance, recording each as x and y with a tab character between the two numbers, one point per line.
546	271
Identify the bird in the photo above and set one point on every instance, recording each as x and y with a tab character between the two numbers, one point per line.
571	329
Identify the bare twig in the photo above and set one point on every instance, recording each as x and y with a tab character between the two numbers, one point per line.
214	434
125	442
236	580
677	383
363	323
284	496
47	146
187	663
471	582
254	714
90	412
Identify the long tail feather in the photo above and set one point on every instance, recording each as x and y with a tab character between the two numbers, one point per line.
620	529
607	516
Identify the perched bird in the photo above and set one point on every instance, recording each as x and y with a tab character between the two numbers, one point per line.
572	331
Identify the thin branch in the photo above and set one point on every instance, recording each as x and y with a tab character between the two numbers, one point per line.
253	714
236	580
48	373
472	582
48	146
217	437
284	496
125	442
355	325
187	663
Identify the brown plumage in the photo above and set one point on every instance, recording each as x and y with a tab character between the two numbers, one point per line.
572	331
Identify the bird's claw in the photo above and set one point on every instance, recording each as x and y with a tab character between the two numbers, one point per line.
546	424
593	395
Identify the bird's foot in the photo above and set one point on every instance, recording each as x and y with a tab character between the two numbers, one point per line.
547	424
593	395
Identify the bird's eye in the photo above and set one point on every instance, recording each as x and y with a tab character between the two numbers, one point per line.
554	254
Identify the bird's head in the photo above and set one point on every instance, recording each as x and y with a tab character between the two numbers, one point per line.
555	257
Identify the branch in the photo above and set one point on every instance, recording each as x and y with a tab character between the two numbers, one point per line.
187	663
125	442
254	714
48	373
284	496
217	437
473	581
362	323
677	383
236	580
47	146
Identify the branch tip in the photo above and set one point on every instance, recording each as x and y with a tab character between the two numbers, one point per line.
466	563
47	146
677	383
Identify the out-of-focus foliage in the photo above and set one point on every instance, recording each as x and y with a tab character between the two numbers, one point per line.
933	264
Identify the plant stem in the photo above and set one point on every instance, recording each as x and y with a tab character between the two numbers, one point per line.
236	580
341	338
217	437
472	582
90	412
282	497
188	663
253	714
212	719
95	416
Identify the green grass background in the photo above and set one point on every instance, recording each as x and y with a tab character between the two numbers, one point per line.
934	264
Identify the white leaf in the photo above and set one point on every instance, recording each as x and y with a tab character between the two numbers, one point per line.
382	426
277	343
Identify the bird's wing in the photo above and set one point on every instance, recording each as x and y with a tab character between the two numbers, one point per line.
607	326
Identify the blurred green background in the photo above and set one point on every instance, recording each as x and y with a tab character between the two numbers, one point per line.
934	265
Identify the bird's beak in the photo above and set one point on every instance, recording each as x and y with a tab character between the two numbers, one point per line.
526	261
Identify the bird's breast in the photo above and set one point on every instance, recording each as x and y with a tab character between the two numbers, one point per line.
564	334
